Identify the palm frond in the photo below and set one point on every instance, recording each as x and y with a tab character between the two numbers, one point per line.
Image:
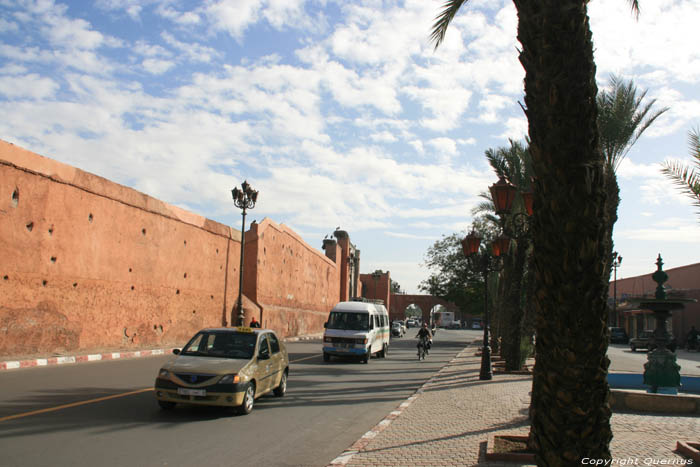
623	117
685	177
634	4
443	20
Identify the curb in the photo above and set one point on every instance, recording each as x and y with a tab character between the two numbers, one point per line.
13	365
35	362
361	443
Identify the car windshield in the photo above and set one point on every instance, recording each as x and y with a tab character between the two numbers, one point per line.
348	321
221	345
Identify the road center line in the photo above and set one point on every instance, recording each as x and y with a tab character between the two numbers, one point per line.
99	399
302	359
74	404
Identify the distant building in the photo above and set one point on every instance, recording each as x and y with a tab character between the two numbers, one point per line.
683	282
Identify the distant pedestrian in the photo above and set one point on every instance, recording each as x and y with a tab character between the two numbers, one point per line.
254	323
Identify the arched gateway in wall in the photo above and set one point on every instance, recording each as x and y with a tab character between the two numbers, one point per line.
426	303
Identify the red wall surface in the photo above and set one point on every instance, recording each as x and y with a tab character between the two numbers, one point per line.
87	264
294	285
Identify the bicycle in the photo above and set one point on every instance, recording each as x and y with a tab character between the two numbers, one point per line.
423	348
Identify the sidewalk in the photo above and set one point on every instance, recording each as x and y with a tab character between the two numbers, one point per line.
448	420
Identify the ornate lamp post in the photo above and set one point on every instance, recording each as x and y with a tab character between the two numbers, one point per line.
617	261
503	194
244	199
515	225
485	263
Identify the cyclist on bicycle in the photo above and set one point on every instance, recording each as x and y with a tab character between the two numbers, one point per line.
425	337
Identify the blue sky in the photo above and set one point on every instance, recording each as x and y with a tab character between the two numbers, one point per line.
339	112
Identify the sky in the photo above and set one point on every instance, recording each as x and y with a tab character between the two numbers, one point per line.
340	113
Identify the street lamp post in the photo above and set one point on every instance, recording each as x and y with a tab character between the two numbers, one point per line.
244	199
617	261
485	263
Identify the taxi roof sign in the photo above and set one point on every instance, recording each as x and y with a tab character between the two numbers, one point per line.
245	329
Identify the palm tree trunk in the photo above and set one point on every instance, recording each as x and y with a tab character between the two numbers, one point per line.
570	410
513	307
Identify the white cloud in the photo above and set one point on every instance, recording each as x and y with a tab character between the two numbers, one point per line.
156	66
30	86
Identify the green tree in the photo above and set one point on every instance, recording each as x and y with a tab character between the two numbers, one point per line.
686	177
452	277
569	409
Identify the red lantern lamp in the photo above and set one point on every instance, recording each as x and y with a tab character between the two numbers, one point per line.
503	194
470	244
500	246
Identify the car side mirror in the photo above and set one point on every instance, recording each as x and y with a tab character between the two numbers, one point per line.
263	356
325	325
176	351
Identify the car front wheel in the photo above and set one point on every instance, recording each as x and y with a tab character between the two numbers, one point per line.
166	405
248	400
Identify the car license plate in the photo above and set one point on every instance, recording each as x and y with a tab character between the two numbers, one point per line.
191	392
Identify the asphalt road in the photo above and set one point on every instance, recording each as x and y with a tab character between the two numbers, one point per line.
104	413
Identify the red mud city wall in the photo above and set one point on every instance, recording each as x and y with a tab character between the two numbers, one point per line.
88	264
290	278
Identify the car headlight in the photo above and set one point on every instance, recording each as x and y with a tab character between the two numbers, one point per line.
163	373
230	379
327	339
361	341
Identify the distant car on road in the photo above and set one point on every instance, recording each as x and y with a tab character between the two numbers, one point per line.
476	325
644	341
618	336
454	325
228	367
398	329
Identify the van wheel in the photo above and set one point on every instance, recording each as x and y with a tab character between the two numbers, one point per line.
326	357
385	350
365	359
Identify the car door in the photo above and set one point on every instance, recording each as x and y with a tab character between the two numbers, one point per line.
265	365
277	363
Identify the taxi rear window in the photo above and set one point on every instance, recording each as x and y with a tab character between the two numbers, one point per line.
221	344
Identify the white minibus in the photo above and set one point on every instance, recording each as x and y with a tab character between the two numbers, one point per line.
356	329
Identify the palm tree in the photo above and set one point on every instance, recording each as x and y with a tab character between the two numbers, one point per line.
687	179
569	410
514	165
622	118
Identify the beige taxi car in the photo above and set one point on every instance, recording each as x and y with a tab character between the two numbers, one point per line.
228	367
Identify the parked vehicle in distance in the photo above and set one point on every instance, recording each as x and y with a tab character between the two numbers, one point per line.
454	325
618	336
644	341
398	329
228	367
476	325
356	329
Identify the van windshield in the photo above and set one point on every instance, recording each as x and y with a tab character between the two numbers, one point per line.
349	321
